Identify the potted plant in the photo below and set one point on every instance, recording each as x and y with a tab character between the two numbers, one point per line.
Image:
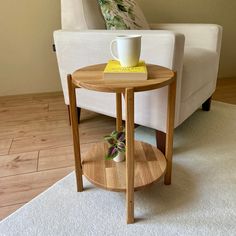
116	150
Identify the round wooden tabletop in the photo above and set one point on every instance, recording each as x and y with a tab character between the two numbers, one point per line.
91	77
150	166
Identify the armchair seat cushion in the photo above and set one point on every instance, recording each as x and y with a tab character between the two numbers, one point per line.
199	68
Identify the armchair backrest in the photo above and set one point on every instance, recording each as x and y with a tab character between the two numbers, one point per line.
81	15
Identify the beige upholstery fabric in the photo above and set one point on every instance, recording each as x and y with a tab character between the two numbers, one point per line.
77	48
81	15
200	67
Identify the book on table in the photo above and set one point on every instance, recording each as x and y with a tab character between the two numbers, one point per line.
114	70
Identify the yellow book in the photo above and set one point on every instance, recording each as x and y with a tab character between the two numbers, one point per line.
114	70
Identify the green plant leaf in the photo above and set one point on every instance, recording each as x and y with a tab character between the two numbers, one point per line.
108	157
110	140
102	2
121	8
112	152
114	133
121	147
120	136
116	141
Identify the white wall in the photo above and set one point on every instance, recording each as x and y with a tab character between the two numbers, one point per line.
28	65
221	12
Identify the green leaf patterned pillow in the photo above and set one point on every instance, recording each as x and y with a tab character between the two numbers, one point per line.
123	14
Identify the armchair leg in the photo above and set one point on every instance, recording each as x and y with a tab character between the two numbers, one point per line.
78	111
161	141
206	106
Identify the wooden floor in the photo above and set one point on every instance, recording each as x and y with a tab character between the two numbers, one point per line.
36	142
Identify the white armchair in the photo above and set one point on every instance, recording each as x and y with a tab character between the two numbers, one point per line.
193	50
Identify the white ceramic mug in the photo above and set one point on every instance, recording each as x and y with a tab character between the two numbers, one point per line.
128	49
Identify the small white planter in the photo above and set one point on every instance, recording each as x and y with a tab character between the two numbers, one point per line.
120	157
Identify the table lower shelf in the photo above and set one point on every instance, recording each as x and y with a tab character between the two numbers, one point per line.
150	166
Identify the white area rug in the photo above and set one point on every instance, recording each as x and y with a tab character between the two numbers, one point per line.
200	201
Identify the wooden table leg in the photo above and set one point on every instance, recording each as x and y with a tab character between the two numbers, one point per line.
129	125
75	132
170	130
119	126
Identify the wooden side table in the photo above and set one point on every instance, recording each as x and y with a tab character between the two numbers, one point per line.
144	163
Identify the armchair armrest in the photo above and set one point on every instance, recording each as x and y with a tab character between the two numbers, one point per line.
84	47
76	49
206	36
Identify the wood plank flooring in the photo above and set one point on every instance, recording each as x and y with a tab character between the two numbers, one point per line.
226	90
36	142
36	145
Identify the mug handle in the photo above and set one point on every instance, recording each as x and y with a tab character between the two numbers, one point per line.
111	49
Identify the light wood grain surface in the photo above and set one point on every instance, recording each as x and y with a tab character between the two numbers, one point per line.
91	77
75	134
170	130
119	126
36	145
130	155
47	114
150	165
